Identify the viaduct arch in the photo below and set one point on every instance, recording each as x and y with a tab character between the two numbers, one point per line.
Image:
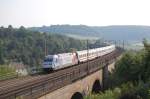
78	89
96	87
77	95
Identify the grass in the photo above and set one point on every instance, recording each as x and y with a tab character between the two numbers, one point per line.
7	72
108	94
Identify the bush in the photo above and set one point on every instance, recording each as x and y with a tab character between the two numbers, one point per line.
108	94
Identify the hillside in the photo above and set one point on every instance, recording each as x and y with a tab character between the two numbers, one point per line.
69	30
28	47
128	33
123	32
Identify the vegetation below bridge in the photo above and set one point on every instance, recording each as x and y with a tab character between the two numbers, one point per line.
131	77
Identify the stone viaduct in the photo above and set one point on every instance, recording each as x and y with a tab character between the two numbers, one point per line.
95	82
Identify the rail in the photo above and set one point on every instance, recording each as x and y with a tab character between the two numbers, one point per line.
56	80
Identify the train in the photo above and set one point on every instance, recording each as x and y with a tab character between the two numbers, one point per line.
63	60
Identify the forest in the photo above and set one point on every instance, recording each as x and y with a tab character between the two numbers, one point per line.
28	47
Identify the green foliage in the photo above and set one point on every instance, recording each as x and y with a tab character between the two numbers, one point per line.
4	69
134	66
146	61
132	75
7	72
108	94
1	53
129	67
22	45
124	91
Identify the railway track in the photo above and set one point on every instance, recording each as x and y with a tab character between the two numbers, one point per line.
16	82
33	87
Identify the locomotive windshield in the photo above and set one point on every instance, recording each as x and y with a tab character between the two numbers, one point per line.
48	59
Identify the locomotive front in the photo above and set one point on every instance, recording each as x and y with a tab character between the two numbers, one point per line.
48	63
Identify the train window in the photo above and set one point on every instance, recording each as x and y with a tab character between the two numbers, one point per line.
48	59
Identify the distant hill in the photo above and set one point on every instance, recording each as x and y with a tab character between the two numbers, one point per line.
123	32
67	29
128	33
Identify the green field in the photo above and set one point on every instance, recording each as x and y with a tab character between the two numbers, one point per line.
82	37
7	72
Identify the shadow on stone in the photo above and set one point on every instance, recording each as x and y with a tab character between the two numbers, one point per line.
96	87
77	95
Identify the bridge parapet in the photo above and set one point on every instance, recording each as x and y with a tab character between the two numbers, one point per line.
58	79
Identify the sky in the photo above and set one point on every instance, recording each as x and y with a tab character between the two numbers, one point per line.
30	13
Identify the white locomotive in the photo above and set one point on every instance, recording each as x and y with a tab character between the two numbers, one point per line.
59	61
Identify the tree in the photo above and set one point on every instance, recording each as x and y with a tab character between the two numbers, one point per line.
146	60
23	45
1	53
134	66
